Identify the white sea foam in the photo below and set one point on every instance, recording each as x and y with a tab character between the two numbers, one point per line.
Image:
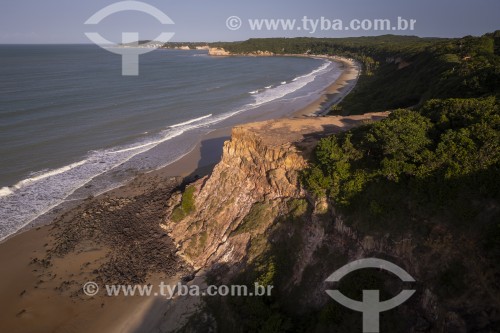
191	121
30	198
47	173
299	82
253	92
37	195
268	87
148	144
5	191
283	82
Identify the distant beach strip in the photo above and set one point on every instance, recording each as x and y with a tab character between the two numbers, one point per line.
101	169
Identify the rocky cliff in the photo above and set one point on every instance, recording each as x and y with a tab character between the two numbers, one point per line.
249	172
217	51
252	219
260	166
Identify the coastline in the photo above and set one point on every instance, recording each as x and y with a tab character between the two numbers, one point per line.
186	164
26	289
335	92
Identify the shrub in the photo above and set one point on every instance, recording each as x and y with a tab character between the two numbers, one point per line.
440	159
186	206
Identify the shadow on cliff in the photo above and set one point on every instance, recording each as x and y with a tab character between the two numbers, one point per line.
298	305
210	155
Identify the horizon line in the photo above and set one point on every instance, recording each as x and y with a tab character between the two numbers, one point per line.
235	41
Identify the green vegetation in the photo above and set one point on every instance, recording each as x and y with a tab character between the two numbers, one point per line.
465	67
260	214
368	50
400	71
186	206
197	244
297	208
191	45
442	159
268	264
431	168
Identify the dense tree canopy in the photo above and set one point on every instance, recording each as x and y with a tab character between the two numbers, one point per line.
401	71
415	163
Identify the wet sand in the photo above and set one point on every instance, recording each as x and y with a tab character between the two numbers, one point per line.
32	297
42	291
334	93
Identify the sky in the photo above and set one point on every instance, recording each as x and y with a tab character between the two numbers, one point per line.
62	21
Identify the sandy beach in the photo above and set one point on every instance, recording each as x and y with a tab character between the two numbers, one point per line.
44	269
335	92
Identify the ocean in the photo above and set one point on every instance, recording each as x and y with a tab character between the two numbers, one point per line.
72	126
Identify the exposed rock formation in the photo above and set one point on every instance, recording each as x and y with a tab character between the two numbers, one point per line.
242	220
217	51
260	164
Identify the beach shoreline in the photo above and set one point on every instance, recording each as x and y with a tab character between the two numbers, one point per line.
336	91
26	287
188	163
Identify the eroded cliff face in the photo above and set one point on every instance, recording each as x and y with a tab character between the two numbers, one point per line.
251	171
253	212
260	165
217	51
